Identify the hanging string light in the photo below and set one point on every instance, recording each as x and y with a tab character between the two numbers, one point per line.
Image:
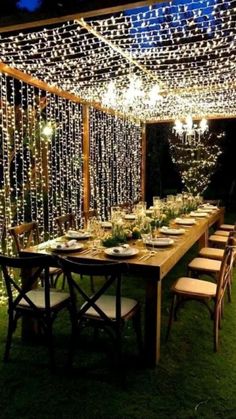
187	50
115	161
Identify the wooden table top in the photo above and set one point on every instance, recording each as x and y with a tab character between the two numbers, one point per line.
159	264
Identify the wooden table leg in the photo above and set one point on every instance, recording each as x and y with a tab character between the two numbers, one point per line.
221	218
203	241
152	321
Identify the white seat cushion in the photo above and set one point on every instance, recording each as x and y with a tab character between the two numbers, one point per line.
107	303
218	239
222	233
211	253
195	286
229	227
205	264
38	298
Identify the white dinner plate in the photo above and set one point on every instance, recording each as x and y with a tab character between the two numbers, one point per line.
160	242
106	224
172	231
185	221
121	252
198	214
207	210
78	235
130	217
208	206
64	247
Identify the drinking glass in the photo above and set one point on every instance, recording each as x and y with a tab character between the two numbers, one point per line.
156	201
146	233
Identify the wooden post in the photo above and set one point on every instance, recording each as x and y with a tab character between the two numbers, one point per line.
86	152
143	162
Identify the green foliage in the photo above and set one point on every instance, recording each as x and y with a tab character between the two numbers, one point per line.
197	161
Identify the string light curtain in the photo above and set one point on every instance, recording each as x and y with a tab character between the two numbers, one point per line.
186	48
115	161
40	158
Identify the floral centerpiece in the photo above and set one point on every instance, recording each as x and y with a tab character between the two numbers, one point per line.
121	234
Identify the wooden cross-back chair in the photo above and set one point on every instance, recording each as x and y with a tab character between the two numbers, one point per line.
42	304
65	222
26	235
108	311
210	266
219	238
205	292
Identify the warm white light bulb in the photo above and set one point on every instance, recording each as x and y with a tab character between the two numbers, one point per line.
47	130
203	125
189	122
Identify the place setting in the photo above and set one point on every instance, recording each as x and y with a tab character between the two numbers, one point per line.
121	251
172	231
185	221
78	234
66	246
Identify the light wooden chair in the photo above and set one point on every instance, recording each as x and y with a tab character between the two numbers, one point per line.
42	304
227	227
205	292
222	233
220	237
101	309
211	253
210	266
26	235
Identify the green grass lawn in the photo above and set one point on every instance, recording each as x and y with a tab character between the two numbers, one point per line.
191	381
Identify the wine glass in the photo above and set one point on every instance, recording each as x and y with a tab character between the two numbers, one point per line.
146	233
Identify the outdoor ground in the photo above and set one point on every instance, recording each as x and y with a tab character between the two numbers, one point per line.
191	380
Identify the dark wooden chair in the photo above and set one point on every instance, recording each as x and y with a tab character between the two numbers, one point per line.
42	304
205	292
101	310
65	222
26	235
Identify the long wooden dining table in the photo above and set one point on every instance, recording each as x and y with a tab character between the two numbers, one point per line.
153	270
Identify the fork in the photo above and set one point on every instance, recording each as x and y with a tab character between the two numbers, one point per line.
149	255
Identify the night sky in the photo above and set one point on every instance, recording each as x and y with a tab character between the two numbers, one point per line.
30	5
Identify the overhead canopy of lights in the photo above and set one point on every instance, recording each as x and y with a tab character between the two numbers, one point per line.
159	62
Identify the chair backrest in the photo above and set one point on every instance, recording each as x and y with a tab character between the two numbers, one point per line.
110	272
89	214
65	222
20	276
25	235
226	268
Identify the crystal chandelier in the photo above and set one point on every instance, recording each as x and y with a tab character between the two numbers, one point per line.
131	96
188	132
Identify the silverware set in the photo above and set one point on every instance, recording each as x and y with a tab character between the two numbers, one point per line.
148	255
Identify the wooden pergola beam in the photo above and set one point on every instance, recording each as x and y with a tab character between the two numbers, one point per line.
75	16
20	75
194	117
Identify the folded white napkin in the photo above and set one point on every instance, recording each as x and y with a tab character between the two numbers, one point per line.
121	249
186	220
66	245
